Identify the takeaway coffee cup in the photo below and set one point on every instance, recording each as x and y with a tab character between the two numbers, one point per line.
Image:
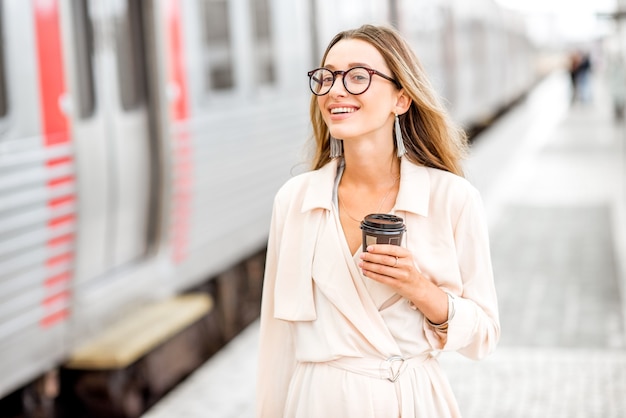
382	228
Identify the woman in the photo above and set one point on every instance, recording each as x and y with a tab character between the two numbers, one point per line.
348	333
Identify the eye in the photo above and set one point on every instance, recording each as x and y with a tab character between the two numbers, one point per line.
359	75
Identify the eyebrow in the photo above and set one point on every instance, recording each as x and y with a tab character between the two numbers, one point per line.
350	65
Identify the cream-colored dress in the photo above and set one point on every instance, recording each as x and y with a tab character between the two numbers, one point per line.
337	344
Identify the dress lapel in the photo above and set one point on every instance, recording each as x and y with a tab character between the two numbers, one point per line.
337	277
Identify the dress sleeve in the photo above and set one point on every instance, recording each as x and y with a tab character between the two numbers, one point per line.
276	349
474	331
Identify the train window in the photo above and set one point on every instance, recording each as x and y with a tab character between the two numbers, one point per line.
83	48
128	45
261	18
218	61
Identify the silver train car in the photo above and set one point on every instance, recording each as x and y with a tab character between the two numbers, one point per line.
142	141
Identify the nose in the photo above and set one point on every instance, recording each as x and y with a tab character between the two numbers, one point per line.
338	88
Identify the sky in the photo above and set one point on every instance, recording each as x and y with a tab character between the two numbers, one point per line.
570	20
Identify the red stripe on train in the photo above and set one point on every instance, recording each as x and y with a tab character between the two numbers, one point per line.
179	113
61	200
58	161
177	63
58	279
60	180
51	79
55	131
61	220
57	298
64	239
63	258
54	318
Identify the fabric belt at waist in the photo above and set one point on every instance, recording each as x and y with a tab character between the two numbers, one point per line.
389	369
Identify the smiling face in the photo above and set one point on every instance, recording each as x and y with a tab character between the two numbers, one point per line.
369	115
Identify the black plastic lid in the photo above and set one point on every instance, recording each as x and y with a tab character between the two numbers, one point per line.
383	221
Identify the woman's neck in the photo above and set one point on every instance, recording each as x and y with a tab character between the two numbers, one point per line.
369	170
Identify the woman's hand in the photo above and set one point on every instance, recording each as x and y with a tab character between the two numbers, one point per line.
394	266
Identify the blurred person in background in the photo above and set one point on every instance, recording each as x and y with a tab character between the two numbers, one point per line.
580	74
352	333
574	63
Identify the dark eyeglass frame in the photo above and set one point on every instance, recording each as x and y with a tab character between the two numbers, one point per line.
343	73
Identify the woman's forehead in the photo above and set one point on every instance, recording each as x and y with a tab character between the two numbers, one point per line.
349	53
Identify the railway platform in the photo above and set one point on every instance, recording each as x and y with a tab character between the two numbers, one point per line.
553	179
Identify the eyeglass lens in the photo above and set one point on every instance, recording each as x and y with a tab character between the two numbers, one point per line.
356	80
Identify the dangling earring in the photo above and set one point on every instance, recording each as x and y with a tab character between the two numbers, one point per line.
335	147
399	140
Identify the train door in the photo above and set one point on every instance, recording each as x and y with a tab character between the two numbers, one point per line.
112	136
128	133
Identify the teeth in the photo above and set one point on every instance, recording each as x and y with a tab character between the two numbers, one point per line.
342	110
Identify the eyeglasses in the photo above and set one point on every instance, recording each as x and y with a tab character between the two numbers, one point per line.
356	80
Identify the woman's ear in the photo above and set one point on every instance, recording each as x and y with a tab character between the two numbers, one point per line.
403	103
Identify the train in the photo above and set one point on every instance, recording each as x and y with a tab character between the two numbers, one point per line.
142	141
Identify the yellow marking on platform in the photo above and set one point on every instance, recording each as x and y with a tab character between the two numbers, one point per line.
134	336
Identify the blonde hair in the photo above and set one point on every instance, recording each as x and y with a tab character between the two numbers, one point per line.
430	137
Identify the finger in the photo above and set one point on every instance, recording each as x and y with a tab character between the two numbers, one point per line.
390	260
381	269
393	250
382	259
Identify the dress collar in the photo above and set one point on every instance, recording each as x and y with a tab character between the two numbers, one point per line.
414	193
